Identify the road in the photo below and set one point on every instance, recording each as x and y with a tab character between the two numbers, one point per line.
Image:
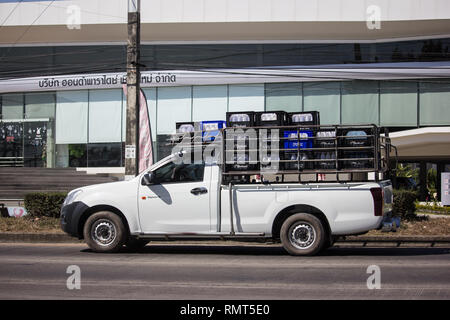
229	271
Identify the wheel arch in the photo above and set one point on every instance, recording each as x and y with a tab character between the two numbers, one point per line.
299	208
90	211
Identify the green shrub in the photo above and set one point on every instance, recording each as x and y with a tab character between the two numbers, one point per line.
44	204
404	203
433	208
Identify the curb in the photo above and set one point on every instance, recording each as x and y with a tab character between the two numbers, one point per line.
37	237
433	215
395	239
64	238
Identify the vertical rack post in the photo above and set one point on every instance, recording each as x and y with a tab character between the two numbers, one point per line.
376	142
298	153
230	186
336	151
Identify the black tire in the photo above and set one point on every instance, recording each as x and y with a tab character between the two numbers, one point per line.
104	232
136	244
302	234
329	242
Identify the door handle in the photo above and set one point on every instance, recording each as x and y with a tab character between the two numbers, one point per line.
198	191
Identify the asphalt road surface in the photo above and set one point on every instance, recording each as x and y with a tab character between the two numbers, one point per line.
229	271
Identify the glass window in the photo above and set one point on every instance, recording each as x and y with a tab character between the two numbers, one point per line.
283	54
22	61
325	98
77	155
40	105
174	105
12	106
71	155
104	154
398	103
434	103
246	97
360	102
327	53
71	117
199	56
182	172
284	96
27	61
163	148
11	139
105	116
35	143
209	103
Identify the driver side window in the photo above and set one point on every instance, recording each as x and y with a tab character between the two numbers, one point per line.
175	173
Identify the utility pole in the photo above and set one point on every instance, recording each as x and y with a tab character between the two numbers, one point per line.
133	90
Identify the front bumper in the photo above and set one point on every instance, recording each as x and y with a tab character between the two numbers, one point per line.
70	218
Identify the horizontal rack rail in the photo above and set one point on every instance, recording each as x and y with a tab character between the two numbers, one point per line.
365	150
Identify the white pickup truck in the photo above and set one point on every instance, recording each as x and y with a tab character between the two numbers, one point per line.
173	200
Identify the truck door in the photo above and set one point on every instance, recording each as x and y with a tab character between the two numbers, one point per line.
178	201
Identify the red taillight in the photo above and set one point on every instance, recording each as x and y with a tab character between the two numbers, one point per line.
377	195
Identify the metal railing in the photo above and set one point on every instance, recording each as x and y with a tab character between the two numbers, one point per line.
368	153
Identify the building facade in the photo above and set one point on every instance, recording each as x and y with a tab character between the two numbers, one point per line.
63	68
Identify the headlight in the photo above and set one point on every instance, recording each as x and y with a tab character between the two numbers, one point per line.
72	196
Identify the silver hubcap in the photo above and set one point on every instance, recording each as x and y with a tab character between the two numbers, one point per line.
302	236
104	232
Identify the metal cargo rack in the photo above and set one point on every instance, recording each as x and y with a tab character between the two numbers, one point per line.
378	146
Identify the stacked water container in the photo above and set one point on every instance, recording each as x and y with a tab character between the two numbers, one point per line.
183	130
299	139
241	144
270	160
211	129
358	144
326	158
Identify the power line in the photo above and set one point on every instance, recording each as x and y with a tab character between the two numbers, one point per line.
116	68
90	12
10	13
28	28
236	51
34	21
84	60
84	50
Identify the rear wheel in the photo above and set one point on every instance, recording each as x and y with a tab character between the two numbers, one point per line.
302	234
104	231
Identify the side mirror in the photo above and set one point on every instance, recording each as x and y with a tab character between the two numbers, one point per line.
148	179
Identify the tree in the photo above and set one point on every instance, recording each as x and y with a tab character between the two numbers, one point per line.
407	171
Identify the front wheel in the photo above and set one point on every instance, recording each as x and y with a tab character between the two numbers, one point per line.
104	231
302	234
